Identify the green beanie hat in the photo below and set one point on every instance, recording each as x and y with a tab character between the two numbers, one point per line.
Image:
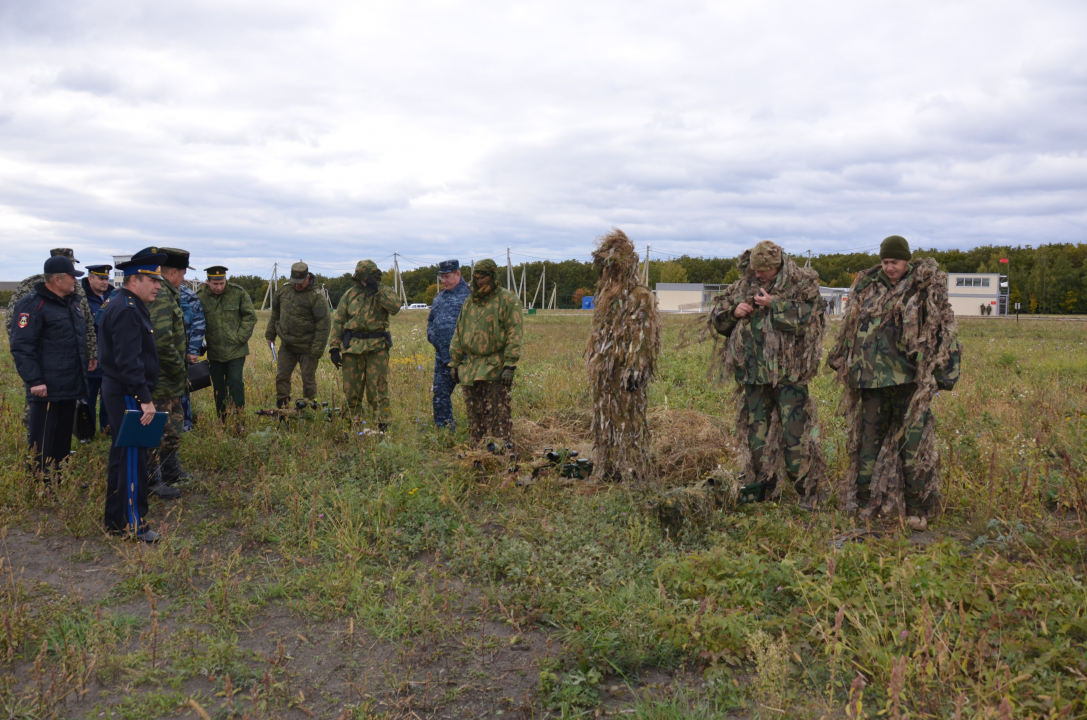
895	247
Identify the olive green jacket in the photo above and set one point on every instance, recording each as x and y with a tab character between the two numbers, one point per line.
168	324
231	319
301	319
488	336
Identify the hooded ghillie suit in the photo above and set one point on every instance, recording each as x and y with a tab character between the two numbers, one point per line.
484	353
896	347
621	357
772	354
360	331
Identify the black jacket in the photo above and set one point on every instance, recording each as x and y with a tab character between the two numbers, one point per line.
49	343
126	347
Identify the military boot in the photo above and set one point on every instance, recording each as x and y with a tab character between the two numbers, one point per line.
156	486
383	427
172	472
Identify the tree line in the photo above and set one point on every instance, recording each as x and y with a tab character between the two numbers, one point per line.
1050	279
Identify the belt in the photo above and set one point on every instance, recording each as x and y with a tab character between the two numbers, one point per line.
349	335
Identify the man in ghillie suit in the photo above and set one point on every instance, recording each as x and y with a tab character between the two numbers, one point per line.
897	346
773	319
484	353
621	356
359	342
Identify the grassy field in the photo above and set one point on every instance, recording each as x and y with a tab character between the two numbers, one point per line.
311	571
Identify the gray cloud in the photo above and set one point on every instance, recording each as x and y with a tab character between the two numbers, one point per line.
259	132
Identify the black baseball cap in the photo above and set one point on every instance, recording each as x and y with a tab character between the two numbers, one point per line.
61	265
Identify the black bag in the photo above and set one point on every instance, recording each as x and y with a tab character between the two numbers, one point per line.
199	376
84	422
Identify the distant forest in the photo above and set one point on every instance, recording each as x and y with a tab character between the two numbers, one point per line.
1049	279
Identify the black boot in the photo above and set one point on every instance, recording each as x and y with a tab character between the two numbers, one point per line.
156	486
172	472
383	427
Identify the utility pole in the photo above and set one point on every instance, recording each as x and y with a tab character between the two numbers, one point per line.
268	292
509	268
645	268
398	283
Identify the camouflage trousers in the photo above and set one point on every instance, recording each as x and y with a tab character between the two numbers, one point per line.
307	368
171	433
488	405
880	408
367	373
789	401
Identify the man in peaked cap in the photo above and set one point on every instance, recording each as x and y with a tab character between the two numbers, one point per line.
301	319
484	352
168	322
49	345
230	318
360	341
130	368
440	325
97	289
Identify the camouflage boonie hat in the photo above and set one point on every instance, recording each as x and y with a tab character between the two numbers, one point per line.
299	273
766	256
66	252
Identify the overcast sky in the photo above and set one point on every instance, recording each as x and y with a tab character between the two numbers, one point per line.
254	132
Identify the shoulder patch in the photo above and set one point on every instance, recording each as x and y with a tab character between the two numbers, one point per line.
24	319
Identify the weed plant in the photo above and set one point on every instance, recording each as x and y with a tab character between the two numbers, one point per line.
313	569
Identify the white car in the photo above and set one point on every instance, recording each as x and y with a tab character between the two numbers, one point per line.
418	306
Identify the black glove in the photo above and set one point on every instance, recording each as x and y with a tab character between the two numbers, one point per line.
507	375
633	384
371	286
334	353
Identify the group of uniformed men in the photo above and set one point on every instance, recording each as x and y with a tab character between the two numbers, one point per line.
891	357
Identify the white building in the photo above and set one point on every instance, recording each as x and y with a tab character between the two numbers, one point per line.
977	294
119	275
686	297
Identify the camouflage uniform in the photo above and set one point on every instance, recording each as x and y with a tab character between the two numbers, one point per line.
897	345
302	320
441	323
773	353
364	311
487	340
172	343
230	319
195	327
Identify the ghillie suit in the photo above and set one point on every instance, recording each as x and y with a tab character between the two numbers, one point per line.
621	356
772	354
899	345
696	506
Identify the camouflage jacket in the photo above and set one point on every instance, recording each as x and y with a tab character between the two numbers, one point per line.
301	319
772	345
363	313
168	324
488	336
442	320
195	324
878	344
27	286
231	319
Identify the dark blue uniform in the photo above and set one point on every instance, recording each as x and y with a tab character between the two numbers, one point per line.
130	368
94	377
49	344
441	324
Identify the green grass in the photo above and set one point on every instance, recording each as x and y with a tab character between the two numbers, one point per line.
395	560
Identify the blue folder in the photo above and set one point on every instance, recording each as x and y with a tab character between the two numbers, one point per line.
133	434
